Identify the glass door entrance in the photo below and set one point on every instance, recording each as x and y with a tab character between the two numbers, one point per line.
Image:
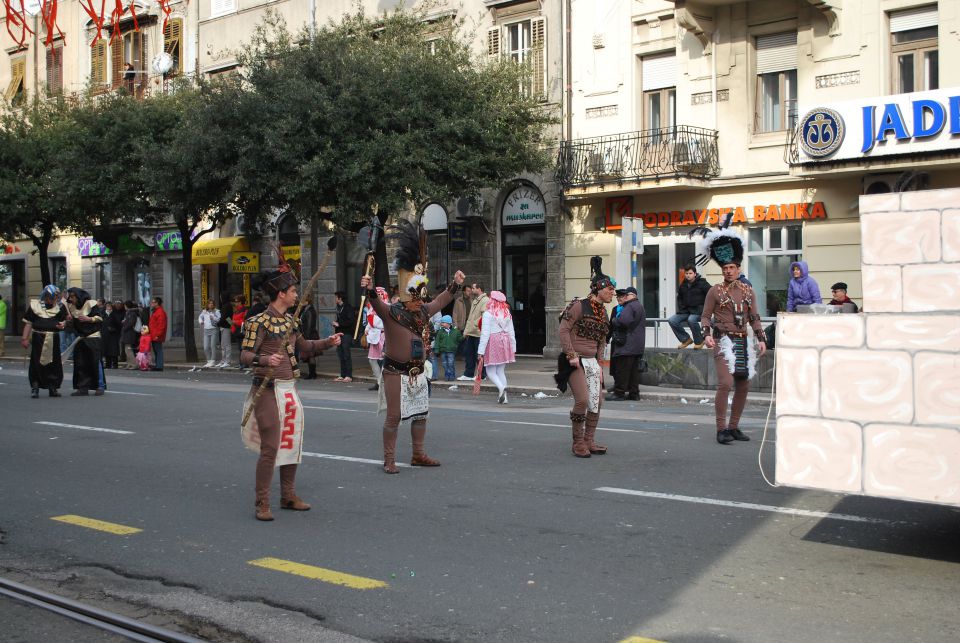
659	270
524	284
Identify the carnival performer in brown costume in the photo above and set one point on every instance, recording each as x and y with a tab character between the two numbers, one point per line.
729	308
275	428
584	327
407	326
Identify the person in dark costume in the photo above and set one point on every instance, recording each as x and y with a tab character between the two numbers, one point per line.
87	321
275	427
404	392
730	307
584	328
43	321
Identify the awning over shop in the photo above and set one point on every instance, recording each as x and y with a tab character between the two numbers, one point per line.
207	251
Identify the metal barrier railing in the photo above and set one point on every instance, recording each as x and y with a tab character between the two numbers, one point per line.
661	327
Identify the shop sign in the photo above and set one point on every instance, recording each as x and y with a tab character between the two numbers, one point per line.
459	236
759	214
524	206
87	247
881	126
291	253
245	262
169	240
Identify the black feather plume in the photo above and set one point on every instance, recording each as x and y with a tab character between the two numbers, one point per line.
409	247
595	264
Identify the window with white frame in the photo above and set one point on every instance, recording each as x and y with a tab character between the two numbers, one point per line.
914	51
776	81
770	251
659	85
525	43
222	7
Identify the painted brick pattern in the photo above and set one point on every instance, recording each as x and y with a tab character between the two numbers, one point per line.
870	403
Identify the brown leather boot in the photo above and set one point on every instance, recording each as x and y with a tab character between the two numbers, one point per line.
418	431
579	438
294	503
590	430
389	450
263	510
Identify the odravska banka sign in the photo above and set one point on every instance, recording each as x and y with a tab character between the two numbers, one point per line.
773	213
880	126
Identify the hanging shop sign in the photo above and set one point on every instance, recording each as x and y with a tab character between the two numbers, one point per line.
881	126
524	206
742	215
291	253
87	247
459	236
245	262
169	240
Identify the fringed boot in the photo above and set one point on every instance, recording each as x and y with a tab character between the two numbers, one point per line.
579	438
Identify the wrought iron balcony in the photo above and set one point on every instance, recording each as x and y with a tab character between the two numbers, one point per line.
672	152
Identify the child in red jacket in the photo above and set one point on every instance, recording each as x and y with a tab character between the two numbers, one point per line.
143	351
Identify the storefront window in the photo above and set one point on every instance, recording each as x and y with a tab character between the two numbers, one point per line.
770	253
58	272
142	284
650	280
102	280
175	309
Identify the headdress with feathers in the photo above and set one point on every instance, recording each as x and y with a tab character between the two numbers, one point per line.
276	281
722	244
410	260
598	280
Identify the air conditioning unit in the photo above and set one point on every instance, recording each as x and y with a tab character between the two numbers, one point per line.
466	210
894	182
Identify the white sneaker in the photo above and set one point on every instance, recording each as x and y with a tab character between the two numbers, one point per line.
222	365
464	378
209	364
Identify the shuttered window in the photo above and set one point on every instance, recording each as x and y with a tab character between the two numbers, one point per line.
15	90
523	42
116	62
98	62
776	52
659	71
172	38
55	69
493	42
538	57
916	18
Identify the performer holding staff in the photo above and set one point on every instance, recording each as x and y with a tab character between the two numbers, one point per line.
407	326
274	428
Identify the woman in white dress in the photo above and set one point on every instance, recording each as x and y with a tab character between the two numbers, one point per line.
498	343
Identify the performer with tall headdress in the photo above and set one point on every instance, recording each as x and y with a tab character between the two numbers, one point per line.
87	321
43	322
407	328
584	327
730	307
275	427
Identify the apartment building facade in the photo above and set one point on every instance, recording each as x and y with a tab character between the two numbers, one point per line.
779	113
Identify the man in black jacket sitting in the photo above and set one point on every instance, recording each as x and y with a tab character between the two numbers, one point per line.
690	297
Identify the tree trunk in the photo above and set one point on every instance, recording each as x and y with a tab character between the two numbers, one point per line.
186	253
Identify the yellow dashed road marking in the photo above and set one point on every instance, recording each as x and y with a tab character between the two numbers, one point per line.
318	573
99	525
639	639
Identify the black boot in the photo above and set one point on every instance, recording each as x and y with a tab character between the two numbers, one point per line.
34	393
54	392
311	371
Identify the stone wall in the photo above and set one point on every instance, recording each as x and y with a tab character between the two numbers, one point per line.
870	403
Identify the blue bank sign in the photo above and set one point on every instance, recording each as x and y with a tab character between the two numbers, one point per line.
881	126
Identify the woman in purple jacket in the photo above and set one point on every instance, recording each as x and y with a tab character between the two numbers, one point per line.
803	289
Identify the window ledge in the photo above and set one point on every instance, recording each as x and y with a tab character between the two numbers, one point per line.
768	139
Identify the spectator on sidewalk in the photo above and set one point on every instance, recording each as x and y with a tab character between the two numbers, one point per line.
498	342
840	298
628	336
130	333
239	316
68	335
373	333
110	334
144	348
344	322
209	320
226	321
471	332
803	290
158	331
3	324
447	342
690	297
310	328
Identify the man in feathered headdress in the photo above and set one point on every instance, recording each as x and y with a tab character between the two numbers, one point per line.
584	327
407	328
43	322
87	320
729	308
275	428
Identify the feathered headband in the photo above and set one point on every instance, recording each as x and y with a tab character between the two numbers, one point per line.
723	245
598	280
411	259
276	281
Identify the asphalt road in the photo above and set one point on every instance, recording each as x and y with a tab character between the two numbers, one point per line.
670	536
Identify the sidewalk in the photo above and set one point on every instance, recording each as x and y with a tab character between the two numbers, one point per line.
530	375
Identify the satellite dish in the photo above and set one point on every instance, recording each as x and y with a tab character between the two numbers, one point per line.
162	62
32	7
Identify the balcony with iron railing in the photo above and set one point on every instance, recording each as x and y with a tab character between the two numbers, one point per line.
674	152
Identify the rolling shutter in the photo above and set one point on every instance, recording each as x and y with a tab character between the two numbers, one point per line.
538	57
916	18
659	71
493	42
776	52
